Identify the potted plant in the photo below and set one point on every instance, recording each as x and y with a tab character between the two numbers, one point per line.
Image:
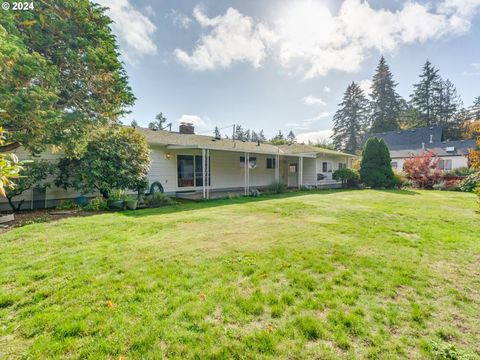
131	203
116	199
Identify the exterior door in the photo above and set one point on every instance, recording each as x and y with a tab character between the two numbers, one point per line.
292	169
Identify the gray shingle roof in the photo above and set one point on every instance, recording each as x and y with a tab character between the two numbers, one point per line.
161	137
456	148
413	137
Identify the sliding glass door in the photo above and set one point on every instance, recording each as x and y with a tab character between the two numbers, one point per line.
190	171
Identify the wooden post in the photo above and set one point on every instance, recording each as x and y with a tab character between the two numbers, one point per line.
277	168
207	171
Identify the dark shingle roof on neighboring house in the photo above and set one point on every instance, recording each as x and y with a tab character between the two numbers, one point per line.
443	148
414	137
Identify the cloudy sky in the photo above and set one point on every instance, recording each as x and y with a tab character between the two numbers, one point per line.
284	64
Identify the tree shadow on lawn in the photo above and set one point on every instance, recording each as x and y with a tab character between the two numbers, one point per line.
206	204
399	192
188	205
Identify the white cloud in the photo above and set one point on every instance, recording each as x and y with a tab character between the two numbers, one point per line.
230	38
310	40
134	29
476	65
315	136
313	41
201	124
366	86
326	89
313	100
305	124
179	19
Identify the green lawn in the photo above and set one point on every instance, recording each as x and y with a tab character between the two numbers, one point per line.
324	274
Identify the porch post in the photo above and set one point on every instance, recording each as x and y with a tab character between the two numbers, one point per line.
300	172
277	168
208	177
203	174
245	173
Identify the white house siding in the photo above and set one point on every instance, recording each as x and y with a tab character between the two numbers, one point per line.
457	161
333	162
53	193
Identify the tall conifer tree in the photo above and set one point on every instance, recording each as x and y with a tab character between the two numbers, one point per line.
386	103
350	120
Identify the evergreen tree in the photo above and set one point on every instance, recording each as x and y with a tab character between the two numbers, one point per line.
449	110
217	133
279	139
246	135
385	103
475	110
375	168
350	120
291	138
425	94
254	136
261	136
134	123
239	133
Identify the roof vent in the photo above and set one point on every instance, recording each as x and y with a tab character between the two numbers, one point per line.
431	138
186	128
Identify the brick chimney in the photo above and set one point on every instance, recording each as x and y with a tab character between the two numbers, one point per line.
186	128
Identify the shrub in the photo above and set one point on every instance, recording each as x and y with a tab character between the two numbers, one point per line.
67	205
470	182
117	194
159	199
375	168
458	172
348	177
422	170
399	179
448	185
97	204
278	187
477	191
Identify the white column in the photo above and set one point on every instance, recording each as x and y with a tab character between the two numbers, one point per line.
245	169
247	163
300	172
277	168
203	175
208	177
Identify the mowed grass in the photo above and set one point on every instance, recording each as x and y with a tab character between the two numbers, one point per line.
321	274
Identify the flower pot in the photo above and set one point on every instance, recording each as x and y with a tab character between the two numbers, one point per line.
115	204
131	204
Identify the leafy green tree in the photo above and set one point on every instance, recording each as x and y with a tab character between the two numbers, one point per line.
61	75
385	103
475	109
157	124
254	136
33	174
425	94
115	158
134	123
375	168
350	120
10	168
279	139
291	138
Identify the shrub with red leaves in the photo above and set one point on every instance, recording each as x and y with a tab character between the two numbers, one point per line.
422	170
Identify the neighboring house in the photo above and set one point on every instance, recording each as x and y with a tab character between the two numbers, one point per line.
407	143
192	165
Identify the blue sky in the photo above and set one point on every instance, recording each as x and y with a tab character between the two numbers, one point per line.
284	64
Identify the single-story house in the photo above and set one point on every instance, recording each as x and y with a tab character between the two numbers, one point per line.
186	164
406	143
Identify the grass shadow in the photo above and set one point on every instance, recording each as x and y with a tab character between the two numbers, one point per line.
205	204
399	192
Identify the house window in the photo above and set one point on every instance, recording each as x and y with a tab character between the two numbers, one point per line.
445	164
342	166
190	171
394	164
252	162
270	163
326	167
